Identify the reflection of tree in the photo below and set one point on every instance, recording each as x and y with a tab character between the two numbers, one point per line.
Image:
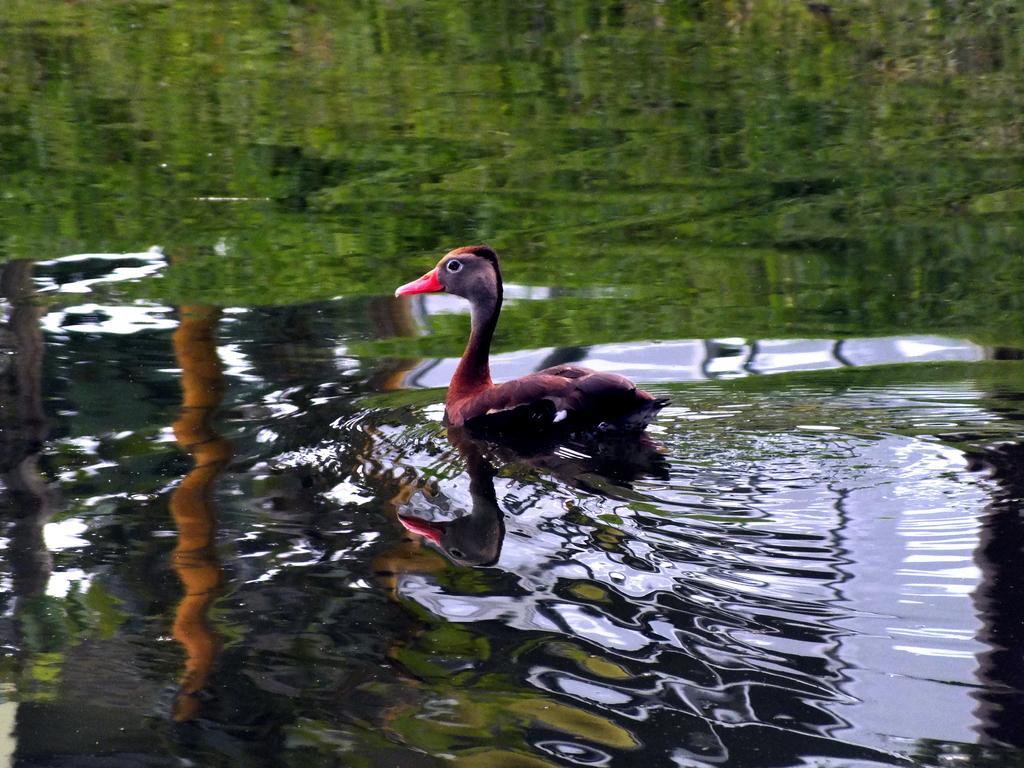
22	430
195	558
999	598
44	626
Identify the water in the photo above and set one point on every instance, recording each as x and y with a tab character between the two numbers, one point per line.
233	529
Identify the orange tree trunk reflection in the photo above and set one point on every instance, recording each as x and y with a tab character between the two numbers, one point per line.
195	558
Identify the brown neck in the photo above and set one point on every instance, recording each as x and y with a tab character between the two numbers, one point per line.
474	372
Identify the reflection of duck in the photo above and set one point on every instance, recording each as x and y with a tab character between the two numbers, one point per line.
565	397
476	538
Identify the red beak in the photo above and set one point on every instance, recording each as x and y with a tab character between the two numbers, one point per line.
426	284
427	530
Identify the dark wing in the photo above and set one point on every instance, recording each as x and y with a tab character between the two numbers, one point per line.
565	395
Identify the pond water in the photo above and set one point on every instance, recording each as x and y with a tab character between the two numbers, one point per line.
233	528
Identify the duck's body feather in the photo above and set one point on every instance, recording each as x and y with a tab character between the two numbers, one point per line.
565	397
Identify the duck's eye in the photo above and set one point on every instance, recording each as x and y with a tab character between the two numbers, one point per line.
454	265
457	553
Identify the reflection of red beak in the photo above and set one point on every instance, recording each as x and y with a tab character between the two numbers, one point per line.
426	284
427	530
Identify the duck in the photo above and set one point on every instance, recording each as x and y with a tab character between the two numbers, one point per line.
566	398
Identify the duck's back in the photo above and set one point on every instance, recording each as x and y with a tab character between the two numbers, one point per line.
564	397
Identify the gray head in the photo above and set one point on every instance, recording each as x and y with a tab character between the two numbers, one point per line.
471	272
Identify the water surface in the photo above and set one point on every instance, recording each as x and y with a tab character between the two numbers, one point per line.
234	528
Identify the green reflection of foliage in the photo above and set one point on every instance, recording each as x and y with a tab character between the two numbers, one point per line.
48	626
314	742
46	623
307	733
590	662
476	715
435	652
41	677
739	168
464	718
106	614
485	758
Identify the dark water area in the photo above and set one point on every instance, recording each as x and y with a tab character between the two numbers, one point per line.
233	527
